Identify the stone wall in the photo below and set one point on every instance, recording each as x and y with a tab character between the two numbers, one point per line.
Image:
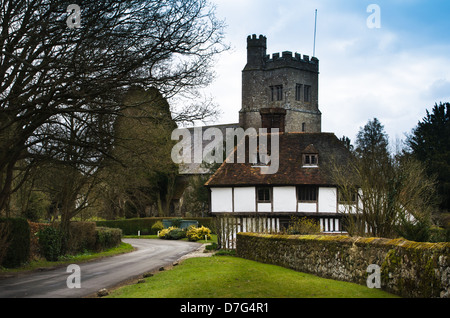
408	269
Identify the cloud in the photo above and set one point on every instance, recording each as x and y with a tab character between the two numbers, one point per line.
390	73
439	89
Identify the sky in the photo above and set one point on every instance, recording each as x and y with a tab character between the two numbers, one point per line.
394	72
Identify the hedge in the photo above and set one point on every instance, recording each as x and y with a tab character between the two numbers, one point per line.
18	249
34	241
21	240
50	240
144	225
107	238
82	237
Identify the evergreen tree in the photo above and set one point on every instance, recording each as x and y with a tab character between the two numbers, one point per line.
372	141
393	194
430	144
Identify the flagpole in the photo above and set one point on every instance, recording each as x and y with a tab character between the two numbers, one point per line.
315	33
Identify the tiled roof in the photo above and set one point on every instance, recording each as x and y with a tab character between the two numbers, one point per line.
292	145
198	168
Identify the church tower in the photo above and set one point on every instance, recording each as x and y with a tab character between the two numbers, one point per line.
279	91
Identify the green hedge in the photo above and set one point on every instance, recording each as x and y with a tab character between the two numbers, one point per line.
18	250
107	238
82	237
51	243
144	225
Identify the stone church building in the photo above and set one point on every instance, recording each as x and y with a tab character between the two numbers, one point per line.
280	91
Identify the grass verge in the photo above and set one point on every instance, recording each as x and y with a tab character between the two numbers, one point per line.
69	259
232	277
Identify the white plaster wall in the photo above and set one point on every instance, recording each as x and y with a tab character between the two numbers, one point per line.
307	207
264	207
327	200
284	199
244	199
221	200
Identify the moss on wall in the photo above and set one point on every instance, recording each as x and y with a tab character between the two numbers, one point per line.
408	269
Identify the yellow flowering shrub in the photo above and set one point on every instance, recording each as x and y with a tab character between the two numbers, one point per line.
163	233
198	233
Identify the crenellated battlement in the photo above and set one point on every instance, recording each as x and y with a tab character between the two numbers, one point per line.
288	56
254	41
288	59
257	57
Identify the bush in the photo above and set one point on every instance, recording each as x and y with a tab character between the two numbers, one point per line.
82	237
4	240
34	240
132	226
107	238
172	233
176	222
438	234
212	247
196	234
158	226
419	231
176	234
50	243
129	226
303	226
17	241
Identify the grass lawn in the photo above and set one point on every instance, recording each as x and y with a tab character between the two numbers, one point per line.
232	277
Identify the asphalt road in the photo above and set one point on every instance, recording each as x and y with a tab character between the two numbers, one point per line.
150	255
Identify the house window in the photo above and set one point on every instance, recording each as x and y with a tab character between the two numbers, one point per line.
311	160
307	93
298	92
276	93
347	197
303	127
264	195
307	193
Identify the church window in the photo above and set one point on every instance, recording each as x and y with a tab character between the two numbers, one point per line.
298	92
307	93
276	92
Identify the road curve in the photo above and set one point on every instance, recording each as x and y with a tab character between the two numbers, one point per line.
105	273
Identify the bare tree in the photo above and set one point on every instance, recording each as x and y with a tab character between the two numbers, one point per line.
380	192
54	77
